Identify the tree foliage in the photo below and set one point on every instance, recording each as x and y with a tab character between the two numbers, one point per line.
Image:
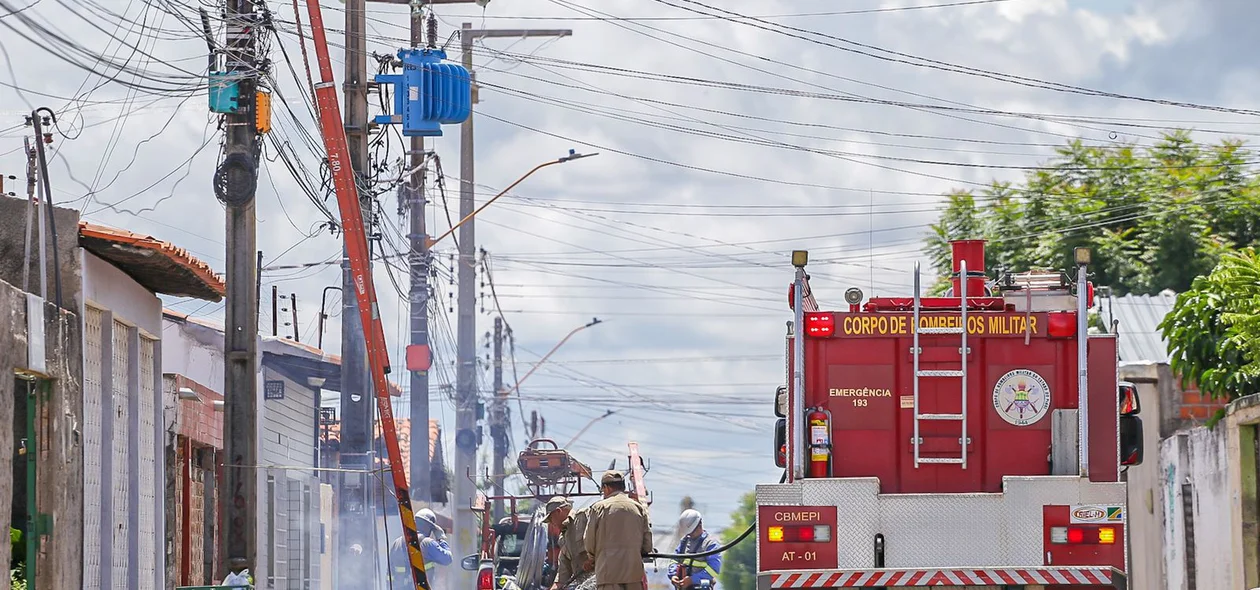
1154	217
739	563
1213	331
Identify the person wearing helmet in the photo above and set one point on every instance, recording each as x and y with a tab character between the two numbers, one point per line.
433	548
697	572
570	525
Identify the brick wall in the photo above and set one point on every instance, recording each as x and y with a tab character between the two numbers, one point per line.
1198	406
197	527
199	420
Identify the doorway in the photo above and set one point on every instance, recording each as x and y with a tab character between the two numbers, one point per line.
23	534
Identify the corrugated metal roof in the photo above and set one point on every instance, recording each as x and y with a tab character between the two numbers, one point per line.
1139	317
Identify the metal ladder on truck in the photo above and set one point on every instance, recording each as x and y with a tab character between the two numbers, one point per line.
361	271
960	373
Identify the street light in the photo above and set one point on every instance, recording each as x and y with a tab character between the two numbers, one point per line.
516	388
606	414
573	155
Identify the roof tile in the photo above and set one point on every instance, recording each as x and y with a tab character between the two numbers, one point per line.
174	272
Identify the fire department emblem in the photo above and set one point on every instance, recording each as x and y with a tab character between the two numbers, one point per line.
1021	397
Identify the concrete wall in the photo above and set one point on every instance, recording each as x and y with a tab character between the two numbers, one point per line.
107	287
1167	411
59	479
1146	508
1197	528
125	432
13	246
1213	513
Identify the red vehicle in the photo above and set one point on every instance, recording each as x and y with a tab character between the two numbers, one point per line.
970	440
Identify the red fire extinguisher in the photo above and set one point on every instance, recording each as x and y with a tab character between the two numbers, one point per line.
819	443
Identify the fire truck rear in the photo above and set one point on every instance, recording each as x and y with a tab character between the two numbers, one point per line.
970	440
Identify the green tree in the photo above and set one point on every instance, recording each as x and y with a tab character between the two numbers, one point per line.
739	563
1155	217
1213	330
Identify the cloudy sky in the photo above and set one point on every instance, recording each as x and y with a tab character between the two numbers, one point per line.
725	142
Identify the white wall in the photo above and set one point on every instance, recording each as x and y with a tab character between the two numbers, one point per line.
107	287
1146	508
1197	458
123	430
193	351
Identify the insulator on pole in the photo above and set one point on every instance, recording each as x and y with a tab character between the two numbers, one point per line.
432	30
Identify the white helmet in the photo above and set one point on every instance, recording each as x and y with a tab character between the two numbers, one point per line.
688	521
427	515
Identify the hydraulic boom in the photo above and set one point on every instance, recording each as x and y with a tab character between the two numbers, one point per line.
361	270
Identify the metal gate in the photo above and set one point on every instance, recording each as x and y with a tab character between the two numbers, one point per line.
93	349
147	478
121	478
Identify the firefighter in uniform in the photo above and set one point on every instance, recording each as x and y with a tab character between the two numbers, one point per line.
433	548
699	572
618	535
571	563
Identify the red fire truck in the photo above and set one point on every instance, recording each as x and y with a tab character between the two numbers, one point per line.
974	440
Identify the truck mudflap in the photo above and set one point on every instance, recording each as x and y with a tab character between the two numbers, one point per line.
868	578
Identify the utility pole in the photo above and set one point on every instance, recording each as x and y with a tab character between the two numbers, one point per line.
235	183
356	521
466	331
418	356
500	420
357	556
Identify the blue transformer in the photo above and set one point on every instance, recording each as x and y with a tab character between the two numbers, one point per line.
428	94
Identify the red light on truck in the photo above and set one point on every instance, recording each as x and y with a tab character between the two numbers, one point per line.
1062	324
820	324
485	579
804	533
1083	535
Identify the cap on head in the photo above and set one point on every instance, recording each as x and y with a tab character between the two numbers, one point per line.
558	503
612	476
688	521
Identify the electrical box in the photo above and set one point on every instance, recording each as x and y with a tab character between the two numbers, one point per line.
262	112
428	94
225	92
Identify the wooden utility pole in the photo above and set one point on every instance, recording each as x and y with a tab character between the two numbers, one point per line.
466	331
235	183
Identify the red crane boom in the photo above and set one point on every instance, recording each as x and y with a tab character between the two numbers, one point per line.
361	271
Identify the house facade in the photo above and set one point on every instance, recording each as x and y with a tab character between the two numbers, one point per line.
103	527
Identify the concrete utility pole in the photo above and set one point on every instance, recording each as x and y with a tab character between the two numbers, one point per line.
235	183
500	419
465	375
356	521
357	556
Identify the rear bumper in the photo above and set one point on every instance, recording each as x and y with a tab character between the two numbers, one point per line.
869	578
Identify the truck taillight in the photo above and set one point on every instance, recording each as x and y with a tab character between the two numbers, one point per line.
1062	324
1082	535
820	324
485	579
809	533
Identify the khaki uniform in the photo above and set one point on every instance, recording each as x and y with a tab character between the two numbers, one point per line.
618	534
572	550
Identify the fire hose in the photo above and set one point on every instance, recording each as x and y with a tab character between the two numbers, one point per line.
713	551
